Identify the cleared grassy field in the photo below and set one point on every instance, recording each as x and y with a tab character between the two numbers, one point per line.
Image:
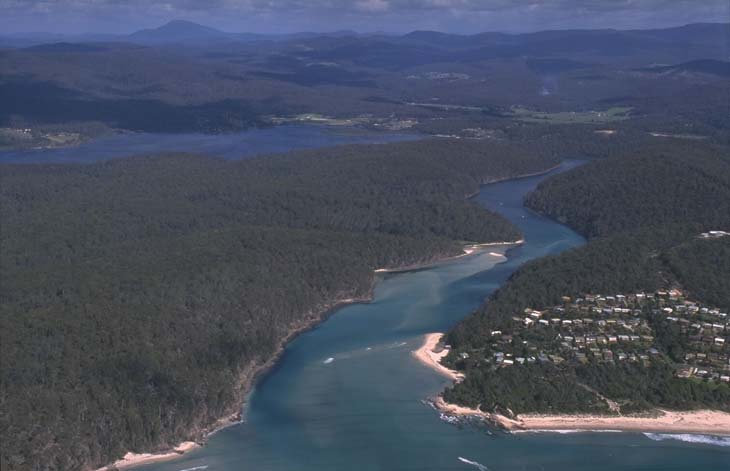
569	117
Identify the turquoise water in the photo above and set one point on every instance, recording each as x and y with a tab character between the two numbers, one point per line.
228	146
348	395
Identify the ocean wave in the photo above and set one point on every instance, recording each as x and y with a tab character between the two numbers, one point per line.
195	468
479	466
328	361
689	438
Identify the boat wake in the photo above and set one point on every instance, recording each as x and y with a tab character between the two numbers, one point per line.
479	466
689	438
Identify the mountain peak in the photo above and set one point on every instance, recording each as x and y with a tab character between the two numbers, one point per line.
178	31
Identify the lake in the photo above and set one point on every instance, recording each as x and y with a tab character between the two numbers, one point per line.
228	146
348	395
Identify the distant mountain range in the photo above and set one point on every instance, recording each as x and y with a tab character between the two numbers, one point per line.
181	31
176	31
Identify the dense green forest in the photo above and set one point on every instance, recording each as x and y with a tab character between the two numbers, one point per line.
139	295
643	213
656	184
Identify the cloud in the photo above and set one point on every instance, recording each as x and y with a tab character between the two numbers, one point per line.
372	5
365	15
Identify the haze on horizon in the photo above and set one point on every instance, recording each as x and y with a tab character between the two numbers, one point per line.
287	16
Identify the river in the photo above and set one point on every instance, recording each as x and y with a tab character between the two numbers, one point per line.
348	395
230	146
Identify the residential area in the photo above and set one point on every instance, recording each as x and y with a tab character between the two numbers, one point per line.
615	329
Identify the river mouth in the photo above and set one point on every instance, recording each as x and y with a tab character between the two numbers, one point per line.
349	394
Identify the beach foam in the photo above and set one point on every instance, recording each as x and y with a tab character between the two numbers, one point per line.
689	438
451	419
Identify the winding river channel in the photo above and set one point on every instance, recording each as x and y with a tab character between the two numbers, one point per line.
348	395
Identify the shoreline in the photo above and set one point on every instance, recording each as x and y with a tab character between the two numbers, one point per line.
698	422
468	249
427	355
516	177
252	373
138	459
525	175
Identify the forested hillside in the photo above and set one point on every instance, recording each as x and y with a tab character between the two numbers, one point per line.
140	295
643	214
663	183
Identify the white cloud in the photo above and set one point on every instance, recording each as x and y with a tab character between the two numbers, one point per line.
372	5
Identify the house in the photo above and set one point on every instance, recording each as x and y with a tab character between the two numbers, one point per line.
556	359
685	372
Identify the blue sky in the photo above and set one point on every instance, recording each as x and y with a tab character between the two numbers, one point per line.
281	16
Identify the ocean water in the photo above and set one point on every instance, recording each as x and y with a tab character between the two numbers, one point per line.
228	146
349	396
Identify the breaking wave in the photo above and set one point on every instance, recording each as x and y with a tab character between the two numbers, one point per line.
195	468
328	361
479	466
449	418
689	438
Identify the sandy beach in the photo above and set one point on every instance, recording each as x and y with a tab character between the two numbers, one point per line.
432	359
701	421
138	459
469	249
663	421
706	422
